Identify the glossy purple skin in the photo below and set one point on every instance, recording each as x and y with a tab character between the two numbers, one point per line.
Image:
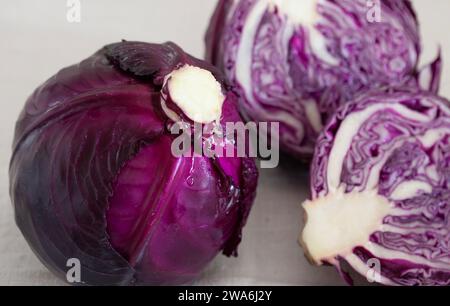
368	55
92	175
390	136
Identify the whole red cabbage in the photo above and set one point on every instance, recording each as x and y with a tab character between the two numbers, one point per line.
92	175
294	62
380	184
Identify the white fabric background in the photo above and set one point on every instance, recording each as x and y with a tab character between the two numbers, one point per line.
36	41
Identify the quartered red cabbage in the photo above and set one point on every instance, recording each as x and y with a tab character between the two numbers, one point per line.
93	177
294	62
380	184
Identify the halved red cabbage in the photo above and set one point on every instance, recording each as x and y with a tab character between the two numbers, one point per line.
294	62
93	177
380	184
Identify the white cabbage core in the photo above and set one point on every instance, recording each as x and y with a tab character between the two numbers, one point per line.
304	13
300	12
339	221
196	92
